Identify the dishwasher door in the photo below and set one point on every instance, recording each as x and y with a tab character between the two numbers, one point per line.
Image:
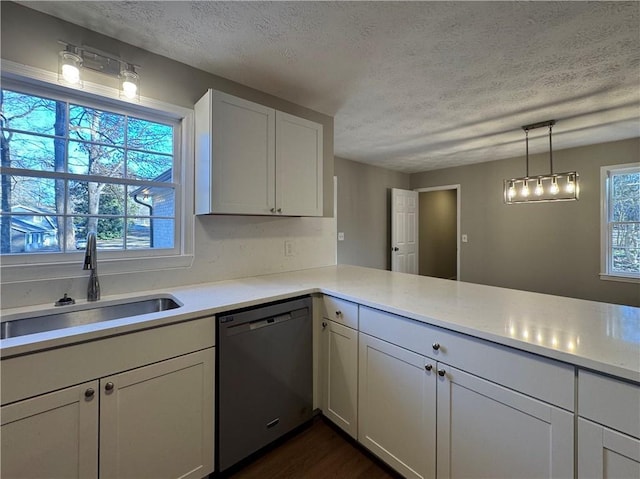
265	384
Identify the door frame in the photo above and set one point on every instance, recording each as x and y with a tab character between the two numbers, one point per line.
458	201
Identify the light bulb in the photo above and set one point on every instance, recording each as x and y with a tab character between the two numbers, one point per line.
571	186
70	63
539	190
525	189
511	192
554	186
129	89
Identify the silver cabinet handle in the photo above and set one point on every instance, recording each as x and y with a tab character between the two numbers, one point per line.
441	372
89	393
435	346
324	324
395	248
109	386
428	367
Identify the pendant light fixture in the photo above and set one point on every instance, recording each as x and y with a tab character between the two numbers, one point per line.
550	187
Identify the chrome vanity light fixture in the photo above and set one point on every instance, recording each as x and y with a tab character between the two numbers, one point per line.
550	187
73	60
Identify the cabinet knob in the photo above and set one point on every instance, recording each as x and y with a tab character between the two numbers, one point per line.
109	386
89	393
395	248
428	367
324	324
338	313
273	210
435	346
441	372
279	210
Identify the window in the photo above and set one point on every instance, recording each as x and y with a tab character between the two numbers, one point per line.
620	222
76	161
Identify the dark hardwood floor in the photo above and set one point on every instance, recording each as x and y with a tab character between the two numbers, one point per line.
320	451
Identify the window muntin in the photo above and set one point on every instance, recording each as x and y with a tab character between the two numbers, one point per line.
69	167
621	221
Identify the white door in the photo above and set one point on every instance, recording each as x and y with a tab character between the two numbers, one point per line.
341	392
397	406
404	231
298	166
157	421
488	431
606	454
53	435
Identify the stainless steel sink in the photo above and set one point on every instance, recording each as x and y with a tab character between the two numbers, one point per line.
83	314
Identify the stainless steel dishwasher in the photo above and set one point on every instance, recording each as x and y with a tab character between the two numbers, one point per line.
264	385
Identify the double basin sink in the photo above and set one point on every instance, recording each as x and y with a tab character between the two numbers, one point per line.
69	316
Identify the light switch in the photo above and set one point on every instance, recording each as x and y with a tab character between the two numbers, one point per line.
340	236
288	248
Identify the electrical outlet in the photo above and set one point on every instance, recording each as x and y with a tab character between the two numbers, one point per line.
340	236
288	248
465	239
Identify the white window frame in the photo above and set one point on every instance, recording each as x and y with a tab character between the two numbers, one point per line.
32	267
605	210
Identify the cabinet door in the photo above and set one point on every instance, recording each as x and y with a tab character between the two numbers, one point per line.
157	421
397	406
243	156
606	454
488	431
298	166
53	435
342	376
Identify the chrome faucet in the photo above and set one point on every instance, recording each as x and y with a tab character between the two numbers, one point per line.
91	262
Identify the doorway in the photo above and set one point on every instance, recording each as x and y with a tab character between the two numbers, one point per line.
439	226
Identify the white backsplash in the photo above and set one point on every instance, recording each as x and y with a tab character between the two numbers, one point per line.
226	247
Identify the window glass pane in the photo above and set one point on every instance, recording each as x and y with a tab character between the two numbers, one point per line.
24	194
150	136
150	233
151	201
29	233
35	152
625	248
149	166
90	198
92	159
625	195
88	124
33	113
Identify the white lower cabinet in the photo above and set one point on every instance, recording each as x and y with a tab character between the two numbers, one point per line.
52	435
341	389
488	431
154	422
606	454
397	406
157	421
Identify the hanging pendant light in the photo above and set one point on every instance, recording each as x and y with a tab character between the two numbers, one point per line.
516	190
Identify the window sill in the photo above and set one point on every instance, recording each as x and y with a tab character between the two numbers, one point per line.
51	271
622	279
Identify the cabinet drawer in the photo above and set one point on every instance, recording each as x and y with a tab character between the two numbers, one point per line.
535	376
340	311
610	402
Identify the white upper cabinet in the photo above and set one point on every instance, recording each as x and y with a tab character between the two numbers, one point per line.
254	160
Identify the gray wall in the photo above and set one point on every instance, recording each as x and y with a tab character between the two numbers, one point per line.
364	194
437	234
551	247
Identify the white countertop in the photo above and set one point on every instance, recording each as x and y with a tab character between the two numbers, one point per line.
599	336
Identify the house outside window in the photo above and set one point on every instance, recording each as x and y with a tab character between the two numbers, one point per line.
620	222
74	162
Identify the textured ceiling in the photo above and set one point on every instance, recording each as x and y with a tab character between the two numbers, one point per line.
413	86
